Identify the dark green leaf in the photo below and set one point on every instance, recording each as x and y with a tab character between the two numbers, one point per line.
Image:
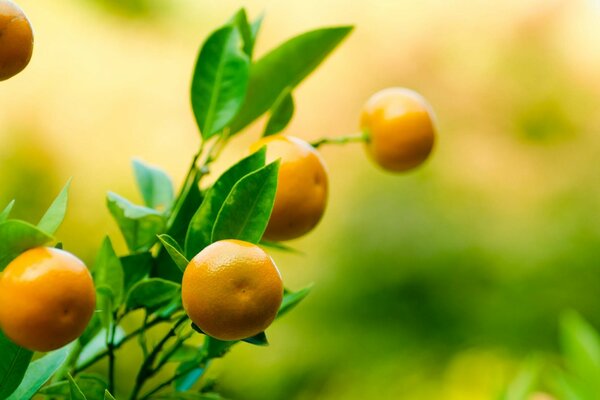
220	81
285	67
200	229
39	372
108	396
240	20
13	364
292	299
76	393
246	210
281	114
174	251
16	237
136	267
108	273
155	186
151	294
259	339
6	212
56	213
139	225
169	308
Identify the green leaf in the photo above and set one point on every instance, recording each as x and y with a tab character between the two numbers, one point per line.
135	268
292	299
220	81
285	67
108	274
91	385
188	380
246	210
281	114
524	384
97	344
184	353
215	348
56	213
255	27
188	396
155	186
13	364
6	212
174	251
76	393
151	294
240	20
18	236
279	246
187	204
139	225
39	372
108	396
259	339
201	227
581	348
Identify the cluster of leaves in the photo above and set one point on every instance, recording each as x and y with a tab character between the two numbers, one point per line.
229	91
578	376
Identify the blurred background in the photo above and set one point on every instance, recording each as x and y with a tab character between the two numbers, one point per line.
429	285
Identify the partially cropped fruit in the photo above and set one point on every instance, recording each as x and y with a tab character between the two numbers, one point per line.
302	187
47	298
400	129
232	290
16	39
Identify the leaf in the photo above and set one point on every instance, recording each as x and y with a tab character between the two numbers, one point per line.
108	273
240	20
188	380
255	27
151	294
91	385
13	364
524	384
39	372
285	67
292	299
135	268
220	81
155	186
18	236
174	251
279	246
76	393
108	396
97	344
6	212
259	339
183	354
201	226
581	348
215	348
55	215
246	211
281	113
188	396
139	225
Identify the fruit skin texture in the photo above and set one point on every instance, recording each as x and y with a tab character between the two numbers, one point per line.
232	290
16	40
302	187
399	123
47	298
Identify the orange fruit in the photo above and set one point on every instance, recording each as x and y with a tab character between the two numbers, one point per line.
47	298
301	195
16	40
232	290
399	124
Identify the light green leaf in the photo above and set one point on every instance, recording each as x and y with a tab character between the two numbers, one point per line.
285	67
108	273
56	213
174	251
6	212
281	114
155	186
525	382
240	20
91	385
108	396
39	372
220	81
13	364
255	27
152	293
246	210
292	299
139	225
76	393
18	236
201	227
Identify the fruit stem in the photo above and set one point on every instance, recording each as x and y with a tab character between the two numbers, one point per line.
359	137
110	347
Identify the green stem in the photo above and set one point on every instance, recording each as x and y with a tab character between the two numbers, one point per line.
110	348
173	379
118	344
172	350
359	137
146	370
